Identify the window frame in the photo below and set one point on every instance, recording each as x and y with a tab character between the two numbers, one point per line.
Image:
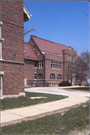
41	77
59	76
55	64
52	76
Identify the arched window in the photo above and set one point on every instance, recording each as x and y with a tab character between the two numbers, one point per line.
40	76
59	76
52	76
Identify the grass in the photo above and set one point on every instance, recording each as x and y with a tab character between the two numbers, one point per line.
81	88
9	103
75	118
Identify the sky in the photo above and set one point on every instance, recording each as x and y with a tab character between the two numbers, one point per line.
64	22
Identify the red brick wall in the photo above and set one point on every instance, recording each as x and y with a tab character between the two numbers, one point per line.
49	70
13	46
29	69
65	62
12	30
13	78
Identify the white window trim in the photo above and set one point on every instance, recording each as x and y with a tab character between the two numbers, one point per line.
1	73
1	82
25	81
1	39
1	87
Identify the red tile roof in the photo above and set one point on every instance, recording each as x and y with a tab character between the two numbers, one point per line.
29	54
48	46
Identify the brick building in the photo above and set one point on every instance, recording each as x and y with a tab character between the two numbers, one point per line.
12	17
46	62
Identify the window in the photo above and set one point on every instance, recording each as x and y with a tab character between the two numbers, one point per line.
0	44
1	83
35	65
56	64
27	61
38	53
52	76
1	39
40	64
59	76
40	76
35	75
33	47
71	57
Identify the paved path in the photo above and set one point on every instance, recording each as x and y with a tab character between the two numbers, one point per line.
16	115
58	91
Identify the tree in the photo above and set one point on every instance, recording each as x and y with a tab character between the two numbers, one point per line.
70	69
26	31
70	72
80	70
85	56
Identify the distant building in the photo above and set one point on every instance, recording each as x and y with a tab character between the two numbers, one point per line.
13	14
46	62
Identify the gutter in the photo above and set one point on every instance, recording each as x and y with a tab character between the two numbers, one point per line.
26	11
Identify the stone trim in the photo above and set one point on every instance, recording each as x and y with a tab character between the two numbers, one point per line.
52	60
13	24
1	73
2	39
52	54
9	61
1	22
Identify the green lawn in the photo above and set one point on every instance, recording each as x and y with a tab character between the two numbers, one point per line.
75	118
81	88
9	103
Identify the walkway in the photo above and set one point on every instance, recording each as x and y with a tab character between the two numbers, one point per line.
58	91
17	115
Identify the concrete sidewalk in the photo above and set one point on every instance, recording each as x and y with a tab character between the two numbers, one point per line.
58	91
17	115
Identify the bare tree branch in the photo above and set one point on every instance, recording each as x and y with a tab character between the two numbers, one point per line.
29	30
78	68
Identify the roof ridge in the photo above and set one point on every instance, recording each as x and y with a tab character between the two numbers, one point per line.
50	41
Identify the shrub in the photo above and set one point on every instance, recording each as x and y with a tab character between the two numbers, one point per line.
64	83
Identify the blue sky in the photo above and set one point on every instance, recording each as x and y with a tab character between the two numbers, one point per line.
64	22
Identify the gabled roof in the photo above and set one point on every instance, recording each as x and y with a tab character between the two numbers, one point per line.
49	47
28	52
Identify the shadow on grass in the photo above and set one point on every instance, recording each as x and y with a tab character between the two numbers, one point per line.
81	88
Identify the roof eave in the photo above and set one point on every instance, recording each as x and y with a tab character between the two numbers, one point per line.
31	59
27	14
